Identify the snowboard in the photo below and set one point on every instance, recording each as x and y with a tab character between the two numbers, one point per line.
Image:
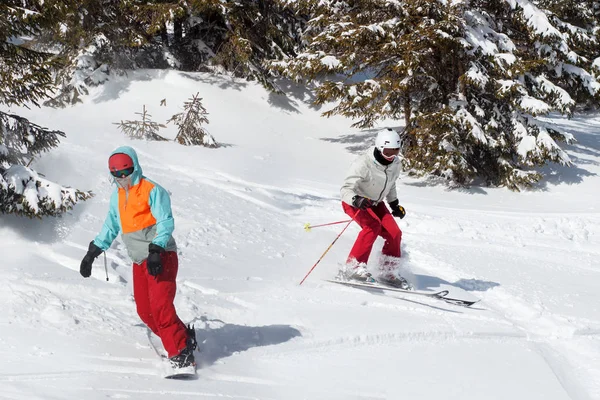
186	373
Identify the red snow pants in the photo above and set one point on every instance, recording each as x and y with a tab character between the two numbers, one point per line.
374	221
154	301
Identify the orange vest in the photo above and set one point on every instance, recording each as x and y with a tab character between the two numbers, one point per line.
134	207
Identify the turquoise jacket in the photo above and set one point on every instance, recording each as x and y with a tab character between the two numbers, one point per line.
142	214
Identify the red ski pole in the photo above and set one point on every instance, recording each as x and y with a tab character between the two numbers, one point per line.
308	226
330	246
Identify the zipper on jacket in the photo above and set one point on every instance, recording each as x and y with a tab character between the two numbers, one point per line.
126	198
384	185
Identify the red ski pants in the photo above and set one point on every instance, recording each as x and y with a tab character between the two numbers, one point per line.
374	221
154	301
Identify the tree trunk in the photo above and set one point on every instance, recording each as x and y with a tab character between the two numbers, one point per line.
178	30
164	37
407	108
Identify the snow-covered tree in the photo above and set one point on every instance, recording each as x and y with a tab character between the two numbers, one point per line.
469	78
100	37
244	34
189	124
142	129
22	190
97	37
25	78
25	73
94	38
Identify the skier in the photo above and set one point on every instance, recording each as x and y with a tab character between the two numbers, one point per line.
371	179
141	210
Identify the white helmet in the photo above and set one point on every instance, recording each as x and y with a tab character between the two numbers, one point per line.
387	139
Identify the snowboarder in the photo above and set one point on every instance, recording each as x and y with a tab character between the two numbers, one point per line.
371	179
141	210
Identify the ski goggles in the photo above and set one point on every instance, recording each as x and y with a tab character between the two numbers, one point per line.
122	173
390	154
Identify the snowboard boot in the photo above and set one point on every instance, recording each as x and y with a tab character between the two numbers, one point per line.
186	357
395	281
191	339
183	359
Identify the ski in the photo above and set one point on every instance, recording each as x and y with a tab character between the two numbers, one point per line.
441	295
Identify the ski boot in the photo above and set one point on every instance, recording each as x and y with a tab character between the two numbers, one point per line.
359	274
395	281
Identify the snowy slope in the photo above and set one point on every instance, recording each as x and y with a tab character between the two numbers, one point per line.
240	210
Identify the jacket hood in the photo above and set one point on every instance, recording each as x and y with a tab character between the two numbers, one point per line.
137	168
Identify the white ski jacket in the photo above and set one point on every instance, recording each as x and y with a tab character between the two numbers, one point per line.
368	178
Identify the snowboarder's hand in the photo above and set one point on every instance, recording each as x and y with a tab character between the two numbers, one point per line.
397	209
154	262
361	202
85	269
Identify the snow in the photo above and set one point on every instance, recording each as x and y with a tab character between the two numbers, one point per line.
505	85
476	75
548	87
377	28
476	37
330	61
466	117
530	257
535	18
479	35
533	105
526	145
23	181
506	58
588	80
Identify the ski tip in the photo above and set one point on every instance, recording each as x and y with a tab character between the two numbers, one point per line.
183	377
463	303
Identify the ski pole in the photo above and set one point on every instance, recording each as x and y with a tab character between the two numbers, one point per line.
330	246
308	226
105	267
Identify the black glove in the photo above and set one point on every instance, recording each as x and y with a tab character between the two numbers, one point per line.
85	269
154	262
361	202
397	209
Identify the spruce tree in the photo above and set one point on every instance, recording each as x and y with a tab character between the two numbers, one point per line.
100	37
236	36
25	73
142	129
25	78
470	79
189	124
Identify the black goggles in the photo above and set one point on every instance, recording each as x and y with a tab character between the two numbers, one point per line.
122	173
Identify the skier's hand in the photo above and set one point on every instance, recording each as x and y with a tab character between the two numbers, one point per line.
85	269
397	209
154	262
361	202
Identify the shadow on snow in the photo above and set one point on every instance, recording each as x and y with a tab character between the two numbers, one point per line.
225	339
424	282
